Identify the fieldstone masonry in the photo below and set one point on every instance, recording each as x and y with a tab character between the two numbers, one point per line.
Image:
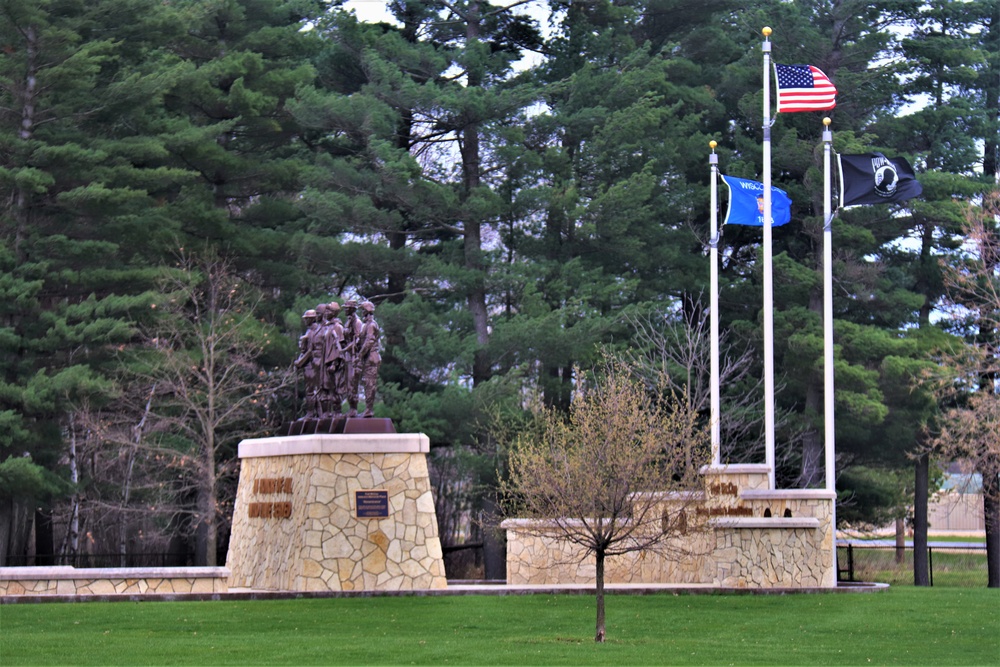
757	538
65	580
297	524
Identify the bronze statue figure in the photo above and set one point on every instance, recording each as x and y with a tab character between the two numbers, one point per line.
330	361
369	360
338	358
352	334
306	361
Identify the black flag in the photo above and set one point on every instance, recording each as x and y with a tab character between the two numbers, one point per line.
873	178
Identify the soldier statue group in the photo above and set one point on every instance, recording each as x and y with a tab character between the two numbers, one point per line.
337	357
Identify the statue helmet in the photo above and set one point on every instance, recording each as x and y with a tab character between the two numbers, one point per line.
368	307
321	309
351	303
334	306
309	314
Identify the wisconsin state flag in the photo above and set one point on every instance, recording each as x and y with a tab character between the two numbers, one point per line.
746	203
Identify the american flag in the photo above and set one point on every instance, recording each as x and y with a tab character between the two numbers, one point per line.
804	88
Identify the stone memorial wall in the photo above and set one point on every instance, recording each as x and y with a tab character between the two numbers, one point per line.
335	513
65	580
755	538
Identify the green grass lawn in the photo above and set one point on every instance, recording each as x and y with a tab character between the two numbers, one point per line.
911	626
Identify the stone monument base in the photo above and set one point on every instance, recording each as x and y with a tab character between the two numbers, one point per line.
335	512
756	538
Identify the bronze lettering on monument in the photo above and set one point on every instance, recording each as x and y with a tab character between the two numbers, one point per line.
272	485
371	503
725	511
724	489
281	510
270	510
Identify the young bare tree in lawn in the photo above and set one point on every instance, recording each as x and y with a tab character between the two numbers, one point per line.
970	426
615	475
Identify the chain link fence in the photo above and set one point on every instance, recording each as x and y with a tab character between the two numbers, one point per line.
957	565
103	560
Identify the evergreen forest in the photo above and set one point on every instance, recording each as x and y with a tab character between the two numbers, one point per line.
519	187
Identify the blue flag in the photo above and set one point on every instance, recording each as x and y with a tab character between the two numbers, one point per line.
746	203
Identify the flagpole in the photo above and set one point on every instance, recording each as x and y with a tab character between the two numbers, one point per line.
768	290
713	160
828	395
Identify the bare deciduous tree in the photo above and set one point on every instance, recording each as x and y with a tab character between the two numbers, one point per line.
210	386
600	477
679	345
970	425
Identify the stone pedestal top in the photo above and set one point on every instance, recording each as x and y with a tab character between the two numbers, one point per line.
374	443
752	522
788	494
68	572
736	469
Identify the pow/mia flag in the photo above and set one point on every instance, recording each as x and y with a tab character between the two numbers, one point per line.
873	178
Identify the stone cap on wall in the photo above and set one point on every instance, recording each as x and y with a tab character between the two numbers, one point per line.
69	572
765	522
325	443
736	469
788	494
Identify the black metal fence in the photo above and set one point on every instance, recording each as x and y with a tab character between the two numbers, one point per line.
103	560
958	565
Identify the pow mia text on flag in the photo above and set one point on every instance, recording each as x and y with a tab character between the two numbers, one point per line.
872	178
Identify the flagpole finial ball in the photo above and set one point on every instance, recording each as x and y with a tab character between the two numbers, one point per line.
827	121
712	144
766	31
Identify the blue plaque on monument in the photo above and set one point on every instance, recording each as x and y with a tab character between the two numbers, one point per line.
371	504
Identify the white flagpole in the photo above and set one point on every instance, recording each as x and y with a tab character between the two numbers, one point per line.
768	290
713	254
828	394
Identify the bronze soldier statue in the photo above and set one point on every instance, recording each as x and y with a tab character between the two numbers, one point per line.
306	362
369	360
331	362
352	335
337	359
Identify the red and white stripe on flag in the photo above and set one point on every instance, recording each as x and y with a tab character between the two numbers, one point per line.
804	88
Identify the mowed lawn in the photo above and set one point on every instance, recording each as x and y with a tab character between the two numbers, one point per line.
901	626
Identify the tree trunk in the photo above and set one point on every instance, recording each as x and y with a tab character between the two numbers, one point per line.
991	512
813	452
599	555
494	552
991	93
23	198
900	540
123	508
6	528
473	244
44	538
557	387
71	545
206	535
15	530
921	575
